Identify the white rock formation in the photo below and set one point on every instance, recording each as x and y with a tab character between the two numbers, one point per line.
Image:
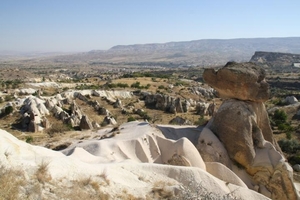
138	160
291	100
25	91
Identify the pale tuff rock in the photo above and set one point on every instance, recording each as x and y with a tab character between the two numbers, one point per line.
32	110
244	81
45	123
206	92
291	100
42	106
167	103
211	149
25	91
134	160
75	110
95	125
222	172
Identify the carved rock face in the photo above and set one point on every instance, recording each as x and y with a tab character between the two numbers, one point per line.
243	81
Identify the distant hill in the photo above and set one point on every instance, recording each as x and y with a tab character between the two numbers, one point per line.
206	52
276	59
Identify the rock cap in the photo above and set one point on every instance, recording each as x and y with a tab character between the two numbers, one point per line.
243	81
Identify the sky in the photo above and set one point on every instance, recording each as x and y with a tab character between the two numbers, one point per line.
84	25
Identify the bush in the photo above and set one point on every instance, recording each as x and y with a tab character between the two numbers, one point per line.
8	110
161	87
279	117
289	146
201	121
288	135
293	160
131	118
285	127
29	139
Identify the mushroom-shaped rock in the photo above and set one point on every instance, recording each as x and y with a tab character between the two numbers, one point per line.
242	125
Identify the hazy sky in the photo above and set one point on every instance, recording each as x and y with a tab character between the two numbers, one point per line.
84	25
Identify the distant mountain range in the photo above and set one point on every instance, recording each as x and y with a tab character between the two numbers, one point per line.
206	52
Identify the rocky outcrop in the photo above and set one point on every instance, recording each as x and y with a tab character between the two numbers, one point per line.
166	103
32	127
247	124
25	91
180	121
205	92
242	126
85	123
133	150
118	104
108	120
211	149
45	123
33	110
244	81
103	111
291	100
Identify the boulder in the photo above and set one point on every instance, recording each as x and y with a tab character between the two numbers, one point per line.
25	120
96	105
45	123
178	105
85	123
75	110
244	81
32	127
201	108
109	120
291	100
180	121
118	104
211	109
49	104
103	111
95	125
296	168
